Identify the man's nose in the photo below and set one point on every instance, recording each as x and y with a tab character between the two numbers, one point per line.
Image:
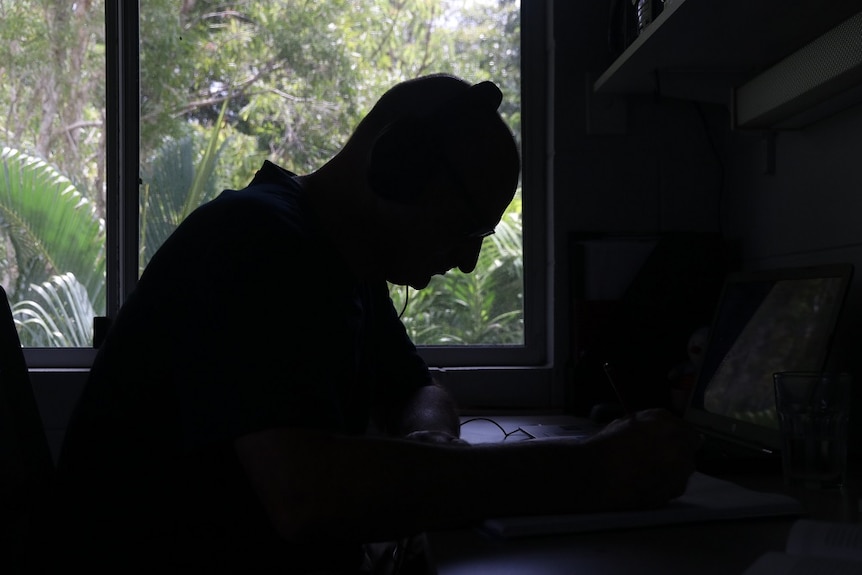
468	254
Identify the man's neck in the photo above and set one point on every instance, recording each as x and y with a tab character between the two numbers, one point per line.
348	215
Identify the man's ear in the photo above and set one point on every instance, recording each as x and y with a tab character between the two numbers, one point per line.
400	159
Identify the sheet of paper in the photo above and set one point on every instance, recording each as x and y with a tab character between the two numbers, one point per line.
774	562
826	539
706	499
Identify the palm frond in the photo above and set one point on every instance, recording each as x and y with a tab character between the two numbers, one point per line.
58	313
204	172
180	178
482	307
52	227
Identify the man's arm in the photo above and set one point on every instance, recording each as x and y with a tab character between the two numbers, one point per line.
315	485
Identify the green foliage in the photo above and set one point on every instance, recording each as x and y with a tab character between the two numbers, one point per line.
51	228
52	96
185	177
299	75
282	66
317	68
482	307
58	315
226	84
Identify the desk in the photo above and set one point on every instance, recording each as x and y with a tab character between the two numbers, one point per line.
721	548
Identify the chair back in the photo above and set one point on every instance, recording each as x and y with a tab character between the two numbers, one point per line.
26	465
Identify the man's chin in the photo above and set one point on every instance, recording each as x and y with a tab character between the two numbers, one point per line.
415	283
418	284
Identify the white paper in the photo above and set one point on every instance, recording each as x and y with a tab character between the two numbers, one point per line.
826	539
706	499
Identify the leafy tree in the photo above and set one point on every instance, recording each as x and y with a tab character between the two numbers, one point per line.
226	84
281	67
482	307
58	314
51	228
54	254
184	173
52	96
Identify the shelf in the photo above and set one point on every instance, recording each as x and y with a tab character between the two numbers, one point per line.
820	79
703	49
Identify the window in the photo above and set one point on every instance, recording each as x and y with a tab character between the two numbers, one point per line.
52	168
225	86
202	91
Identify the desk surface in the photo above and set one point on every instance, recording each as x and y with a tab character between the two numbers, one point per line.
720	547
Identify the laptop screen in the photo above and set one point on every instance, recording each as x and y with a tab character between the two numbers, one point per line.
766	321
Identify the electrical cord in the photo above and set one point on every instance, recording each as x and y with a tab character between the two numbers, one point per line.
506	434
406	301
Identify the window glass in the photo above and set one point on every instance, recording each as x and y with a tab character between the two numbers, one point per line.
52	167
226	85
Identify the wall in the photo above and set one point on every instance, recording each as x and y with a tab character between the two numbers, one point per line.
809	209
630	165
808	212
677	166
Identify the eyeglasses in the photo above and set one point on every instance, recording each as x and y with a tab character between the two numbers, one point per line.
481	233
434	146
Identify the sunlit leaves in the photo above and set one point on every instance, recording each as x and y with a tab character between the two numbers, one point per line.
292	79
483	307
57	313
51	226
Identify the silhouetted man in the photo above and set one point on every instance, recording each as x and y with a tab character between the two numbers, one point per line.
257	404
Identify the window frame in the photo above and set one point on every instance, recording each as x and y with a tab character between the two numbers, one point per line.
487	375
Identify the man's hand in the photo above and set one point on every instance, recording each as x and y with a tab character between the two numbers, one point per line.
643	460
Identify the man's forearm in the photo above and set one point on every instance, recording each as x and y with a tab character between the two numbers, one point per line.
321	486
445	487
366	489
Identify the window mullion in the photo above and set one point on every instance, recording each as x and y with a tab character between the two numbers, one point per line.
122	168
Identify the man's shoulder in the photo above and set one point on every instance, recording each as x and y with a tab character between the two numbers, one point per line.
271	183
271	198
270	172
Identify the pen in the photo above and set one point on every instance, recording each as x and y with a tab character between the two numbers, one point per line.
609	373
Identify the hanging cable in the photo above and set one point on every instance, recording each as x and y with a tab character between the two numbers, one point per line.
406	301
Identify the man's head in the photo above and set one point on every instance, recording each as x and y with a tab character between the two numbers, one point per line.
450	164
414	148
441	167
